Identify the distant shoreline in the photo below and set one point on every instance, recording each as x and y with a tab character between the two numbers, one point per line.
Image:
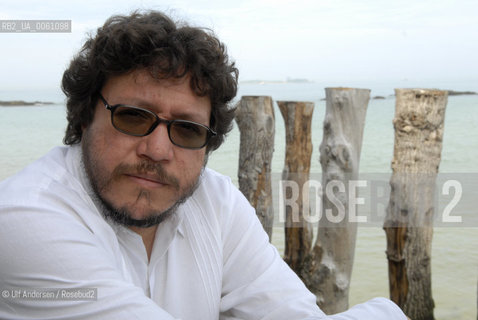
305	81
460	93
289	80
17	103
22	103
450	93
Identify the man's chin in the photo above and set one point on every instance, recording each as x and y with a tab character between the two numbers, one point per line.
130	217
151	221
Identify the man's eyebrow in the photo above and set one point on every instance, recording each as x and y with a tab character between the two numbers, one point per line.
133	102
141	103
195	117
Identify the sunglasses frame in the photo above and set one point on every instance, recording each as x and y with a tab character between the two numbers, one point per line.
210	133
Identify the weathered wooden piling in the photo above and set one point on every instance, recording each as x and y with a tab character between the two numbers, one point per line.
327	270
256	121
298	231
418	123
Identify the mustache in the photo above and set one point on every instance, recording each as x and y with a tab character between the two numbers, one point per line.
147	167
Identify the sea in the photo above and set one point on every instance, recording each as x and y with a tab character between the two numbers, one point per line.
28	132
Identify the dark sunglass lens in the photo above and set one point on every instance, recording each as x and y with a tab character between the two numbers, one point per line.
188	134
133	120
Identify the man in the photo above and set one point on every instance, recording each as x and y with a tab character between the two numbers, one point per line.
129	210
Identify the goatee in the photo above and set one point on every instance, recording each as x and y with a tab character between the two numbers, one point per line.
122	215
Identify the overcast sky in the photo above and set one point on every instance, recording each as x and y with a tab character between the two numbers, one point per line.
272	39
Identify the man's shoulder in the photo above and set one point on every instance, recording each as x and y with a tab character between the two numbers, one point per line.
217	196
50	173
50	191
213	179
216	187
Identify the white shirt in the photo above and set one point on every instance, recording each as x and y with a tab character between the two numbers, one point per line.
211	260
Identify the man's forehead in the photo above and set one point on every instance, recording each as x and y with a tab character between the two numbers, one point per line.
147	93
144	76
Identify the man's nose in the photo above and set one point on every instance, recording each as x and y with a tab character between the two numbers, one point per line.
157	146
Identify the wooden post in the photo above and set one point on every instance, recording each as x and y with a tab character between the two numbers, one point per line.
298	231
418	123
327	270
256	122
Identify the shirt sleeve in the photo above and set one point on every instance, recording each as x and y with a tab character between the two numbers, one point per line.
377	308
258	284
44	249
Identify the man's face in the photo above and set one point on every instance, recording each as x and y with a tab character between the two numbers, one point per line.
139	179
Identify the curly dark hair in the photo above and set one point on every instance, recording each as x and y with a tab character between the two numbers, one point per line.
150	40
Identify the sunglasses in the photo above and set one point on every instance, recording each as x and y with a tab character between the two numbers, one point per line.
140	122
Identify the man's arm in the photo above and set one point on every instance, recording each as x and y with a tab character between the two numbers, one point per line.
258	284
47	249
